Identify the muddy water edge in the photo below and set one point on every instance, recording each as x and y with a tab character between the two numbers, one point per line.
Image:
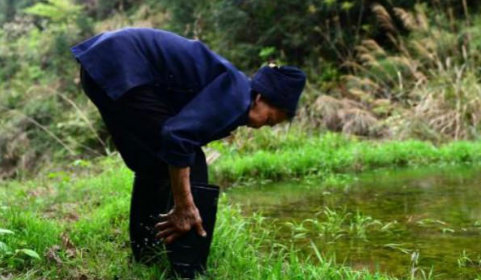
399	222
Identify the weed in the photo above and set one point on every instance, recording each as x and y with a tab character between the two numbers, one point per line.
399	247
361	223
416	272
15	257
465	260
333	224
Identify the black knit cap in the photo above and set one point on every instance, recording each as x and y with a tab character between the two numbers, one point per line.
281	86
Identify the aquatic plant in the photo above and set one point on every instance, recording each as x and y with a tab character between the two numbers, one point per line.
465	260
399	247
331	224
416	272
361	223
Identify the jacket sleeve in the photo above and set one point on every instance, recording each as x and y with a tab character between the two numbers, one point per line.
212	111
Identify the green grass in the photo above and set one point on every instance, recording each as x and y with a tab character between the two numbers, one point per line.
66	226
73	224
322	155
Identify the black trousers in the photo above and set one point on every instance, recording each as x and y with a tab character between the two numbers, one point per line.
135	121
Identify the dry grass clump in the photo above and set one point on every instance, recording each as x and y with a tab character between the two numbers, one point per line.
326	110
13	145
344	115
143	17
358	122
450	107
427	88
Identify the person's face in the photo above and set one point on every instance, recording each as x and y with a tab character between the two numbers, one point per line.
262	113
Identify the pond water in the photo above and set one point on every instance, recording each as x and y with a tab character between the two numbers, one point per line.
397	222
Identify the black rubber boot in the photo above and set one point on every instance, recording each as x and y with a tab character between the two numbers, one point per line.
188	255
150	196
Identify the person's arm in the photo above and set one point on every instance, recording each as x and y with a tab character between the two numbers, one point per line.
212	110
185	215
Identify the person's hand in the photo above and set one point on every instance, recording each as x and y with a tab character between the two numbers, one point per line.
178	222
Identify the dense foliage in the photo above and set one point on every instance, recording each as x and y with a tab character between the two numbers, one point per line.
398	69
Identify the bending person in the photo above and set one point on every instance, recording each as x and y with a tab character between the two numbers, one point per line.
162	97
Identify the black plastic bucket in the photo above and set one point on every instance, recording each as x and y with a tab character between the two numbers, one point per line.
188	254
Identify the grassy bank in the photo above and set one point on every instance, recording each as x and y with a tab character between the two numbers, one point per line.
277	155
70	227
73	224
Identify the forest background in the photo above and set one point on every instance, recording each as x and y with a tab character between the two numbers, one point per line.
377	69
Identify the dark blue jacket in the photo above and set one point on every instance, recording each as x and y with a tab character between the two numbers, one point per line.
209	95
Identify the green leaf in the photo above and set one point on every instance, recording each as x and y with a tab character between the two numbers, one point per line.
55	10
5	231
30	253
267	52
330	2
346	6
3	247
